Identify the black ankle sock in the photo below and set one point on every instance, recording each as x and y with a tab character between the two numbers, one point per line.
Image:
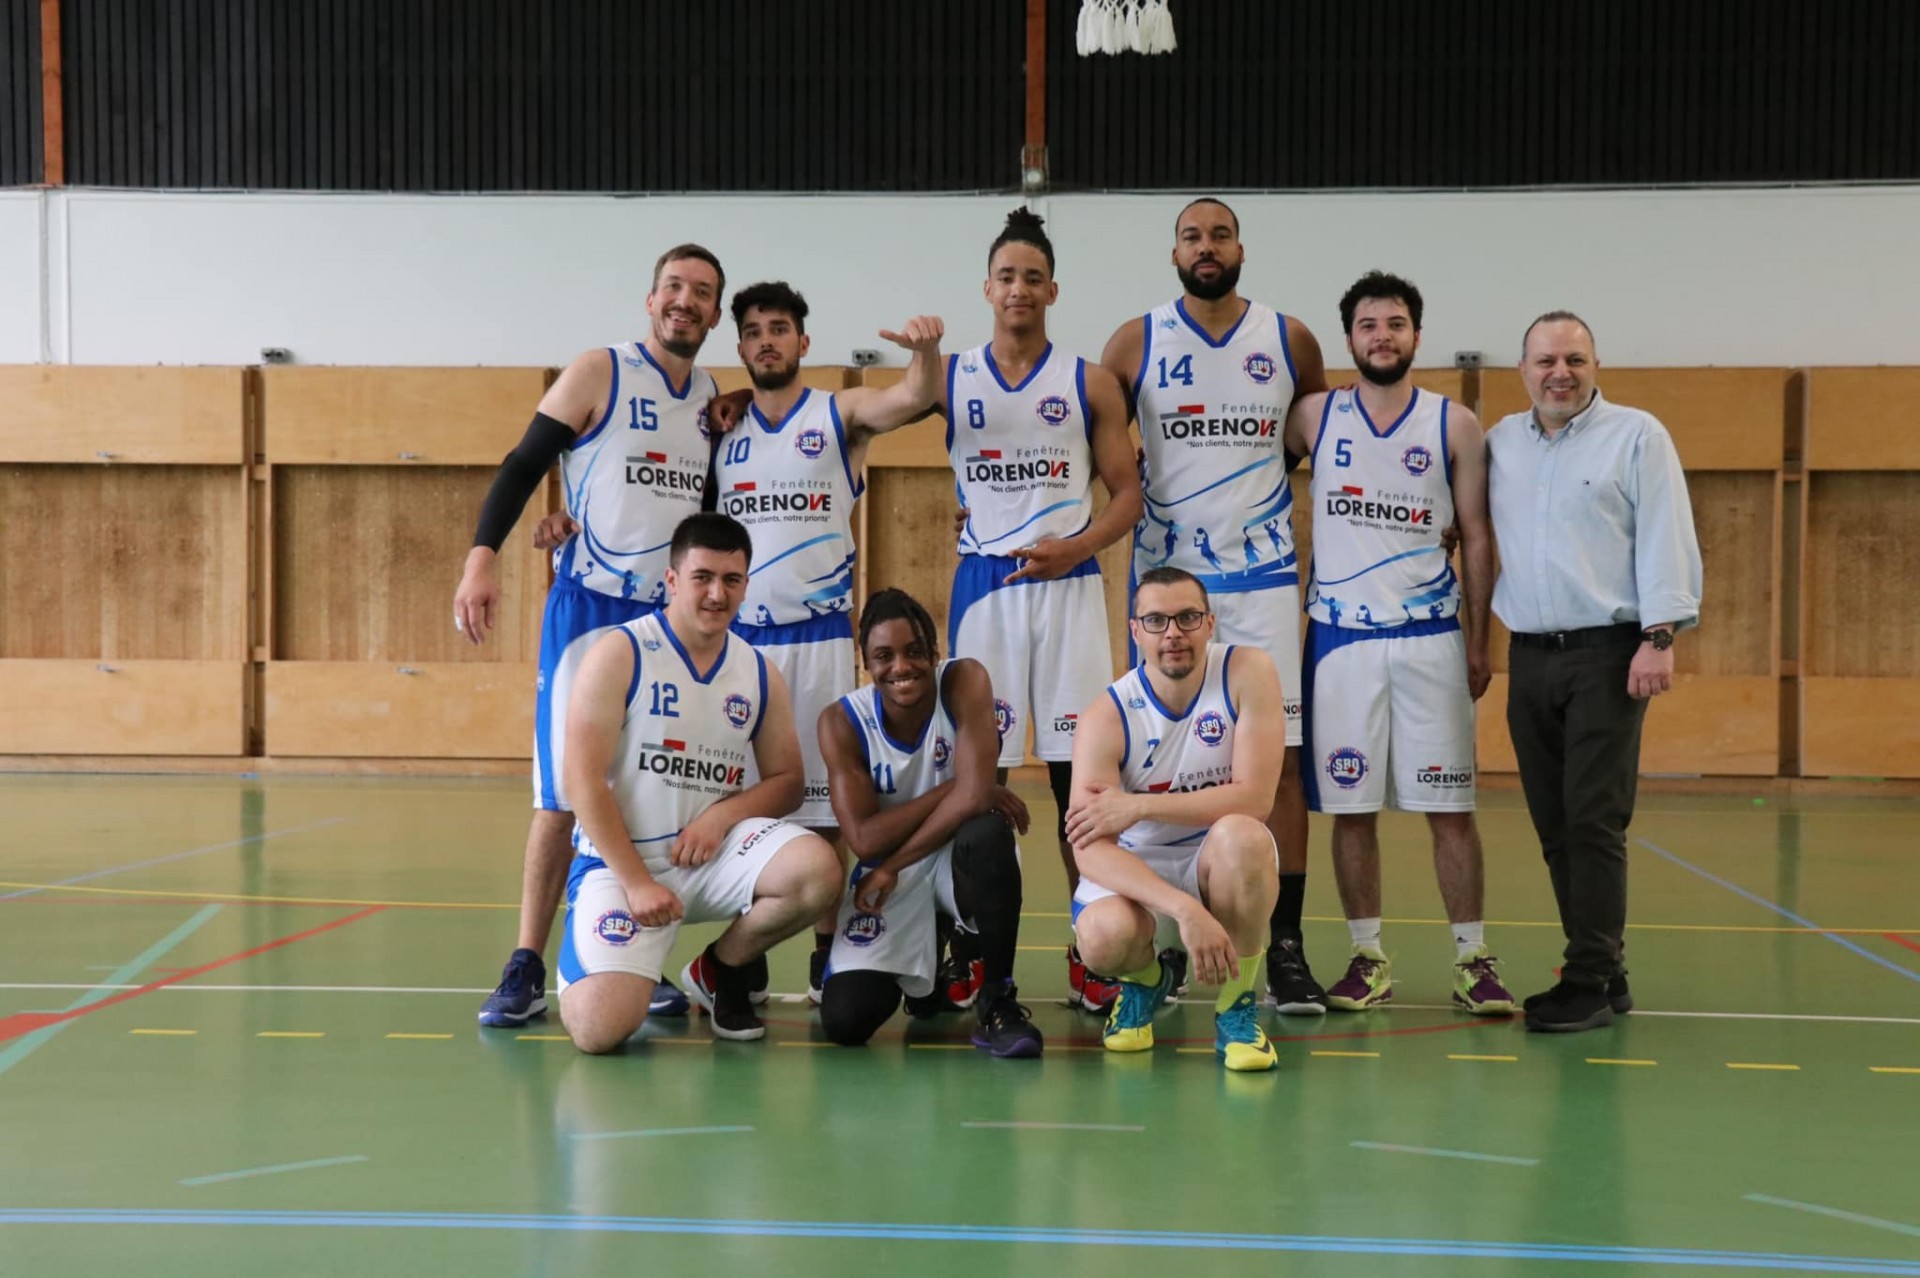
1285	923
823	940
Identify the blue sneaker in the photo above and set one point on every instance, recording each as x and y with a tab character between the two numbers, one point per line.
668	1000
521	994
1129	1026
1238	1039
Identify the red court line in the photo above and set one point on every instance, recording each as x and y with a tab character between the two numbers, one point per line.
27	1022
1898	939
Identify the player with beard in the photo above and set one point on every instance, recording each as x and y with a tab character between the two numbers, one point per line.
1027	427
1212	376
1390	677
628	425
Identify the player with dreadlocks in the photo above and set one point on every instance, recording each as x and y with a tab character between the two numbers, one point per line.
910	760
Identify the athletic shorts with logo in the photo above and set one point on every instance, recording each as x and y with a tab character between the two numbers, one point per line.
1177	867
575	617
601	934
1045	646
1389	719
816	658
902	939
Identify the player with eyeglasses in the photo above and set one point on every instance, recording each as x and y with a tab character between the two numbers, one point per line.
1173	776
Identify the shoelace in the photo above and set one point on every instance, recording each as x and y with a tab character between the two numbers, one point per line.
1482	969
1006	1009
1240	1022
519	972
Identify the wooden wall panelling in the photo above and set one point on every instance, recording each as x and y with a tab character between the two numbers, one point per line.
126	415
176	707
380	416
438	710
821	377
1720	418
1860	727
1704	727
1861	419
1863	560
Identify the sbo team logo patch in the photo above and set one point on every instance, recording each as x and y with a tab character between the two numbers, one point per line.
1260	368
811	443
1053	410
1346	767
739	710
942	751
864	929
1417	460
1211	729
1003	717
616	927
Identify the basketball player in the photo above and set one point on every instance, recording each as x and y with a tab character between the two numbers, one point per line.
1027	425
1212	376
1390	677
628	425
666	712
912	760
1173	776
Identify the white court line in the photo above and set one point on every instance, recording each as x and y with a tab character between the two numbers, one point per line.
175	856
1055	1127
1446	1153
1912	1231
660	1131
275	1169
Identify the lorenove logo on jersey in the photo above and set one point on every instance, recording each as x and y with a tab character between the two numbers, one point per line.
1053	410
653	470
738	710
1260	368
1189	421
1210	729
1443	777
810	443
669	758
1066	723
616	927
1346	767
988	467
1417	460
745	499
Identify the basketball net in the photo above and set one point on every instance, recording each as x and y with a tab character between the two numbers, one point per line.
1124	26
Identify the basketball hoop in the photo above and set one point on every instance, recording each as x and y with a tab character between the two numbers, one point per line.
1124	26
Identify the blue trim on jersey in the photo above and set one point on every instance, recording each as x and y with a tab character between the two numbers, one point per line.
859	729
832	625
633	684
686	660
1286	349
857	484
1446	452
1226	685
767	426
977	576
1390	559
880	717
572	610
1126	733
1146	350
613	397
760	716
1042	513
1026	381
1367	417
665	378
1180	305
794	550
1337	637
953	367
1147	685
1326	411
1265	461
1080	382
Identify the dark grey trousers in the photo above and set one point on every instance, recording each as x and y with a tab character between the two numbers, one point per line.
1576	733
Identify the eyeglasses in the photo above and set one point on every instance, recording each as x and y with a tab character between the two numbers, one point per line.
1156	622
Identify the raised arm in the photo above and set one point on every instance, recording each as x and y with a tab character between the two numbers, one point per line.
1467	455
867	411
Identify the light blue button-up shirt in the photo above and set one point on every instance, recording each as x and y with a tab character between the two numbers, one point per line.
1593	523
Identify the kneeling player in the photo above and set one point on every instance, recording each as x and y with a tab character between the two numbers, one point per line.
910	763
665	713
1173	772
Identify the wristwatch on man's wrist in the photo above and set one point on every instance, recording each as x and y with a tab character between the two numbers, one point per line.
1660	639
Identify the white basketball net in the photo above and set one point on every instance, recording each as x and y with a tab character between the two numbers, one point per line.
1124	26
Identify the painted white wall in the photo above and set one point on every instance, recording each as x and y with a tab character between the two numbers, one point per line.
1743	277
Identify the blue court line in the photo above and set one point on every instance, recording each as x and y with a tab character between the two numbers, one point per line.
29	1043
1852	1217
174	856
275	1170
978	1234
1445	1153
1781	910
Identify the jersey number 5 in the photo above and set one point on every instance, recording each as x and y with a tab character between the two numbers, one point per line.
1343	452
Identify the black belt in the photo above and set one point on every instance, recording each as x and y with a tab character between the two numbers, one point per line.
1593	637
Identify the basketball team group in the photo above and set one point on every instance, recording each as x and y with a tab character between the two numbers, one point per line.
705	753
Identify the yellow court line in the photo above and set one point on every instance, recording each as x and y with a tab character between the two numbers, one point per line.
432	1036
246	898
1603	1060
541	1038
290	1034
1193	1051
1357	1055
1893	1069
1453	1056
165	1032
1758	1065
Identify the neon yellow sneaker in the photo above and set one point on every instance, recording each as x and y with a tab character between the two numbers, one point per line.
1477	986
1129	1026
1238	1039
1368	982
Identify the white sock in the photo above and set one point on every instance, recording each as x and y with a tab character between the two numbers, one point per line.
1469	938
1365	933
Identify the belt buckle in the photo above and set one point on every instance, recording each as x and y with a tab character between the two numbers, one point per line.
1556	640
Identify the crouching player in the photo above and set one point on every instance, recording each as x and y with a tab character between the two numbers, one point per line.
910	766
664	715
1173	773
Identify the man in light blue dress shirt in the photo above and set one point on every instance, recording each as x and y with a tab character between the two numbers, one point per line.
1600	569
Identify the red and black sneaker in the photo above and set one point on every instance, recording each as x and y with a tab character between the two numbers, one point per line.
1087	990
722	993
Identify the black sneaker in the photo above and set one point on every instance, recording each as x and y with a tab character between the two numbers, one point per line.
1619	997
1568	1009
668	1000
521	994
758	981
1175	959
1290	983
722	993
816	976
1003	1027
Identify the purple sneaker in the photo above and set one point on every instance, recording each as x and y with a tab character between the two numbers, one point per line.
1002	1026
1368	983
1477	986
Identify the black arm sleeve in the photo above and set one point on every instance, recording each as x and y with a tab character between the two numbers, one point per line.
1293	460
520	473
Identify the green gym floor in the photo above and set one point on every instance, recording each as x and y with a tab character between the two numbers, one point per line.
237	1036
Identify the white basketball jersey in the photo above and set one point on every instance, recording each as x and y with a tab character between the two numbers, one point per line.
686	741
1168	751
1382	494
632	479
793	487
1021	454
1213	428
903	770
